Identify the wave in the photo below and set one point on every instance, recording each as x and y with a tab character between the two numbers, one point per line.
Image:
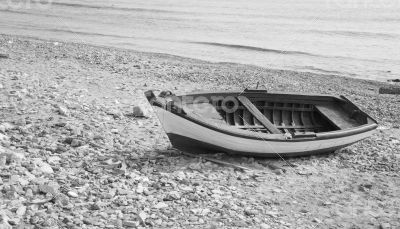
253	48
32	13
324	71
50	3
87	33
78	5
355	33
101	34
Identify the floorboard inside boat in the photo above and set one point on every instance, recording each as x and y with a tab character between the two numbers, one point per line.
337	116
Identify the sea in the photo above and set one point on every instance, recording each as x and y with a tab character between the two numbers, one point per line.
354	38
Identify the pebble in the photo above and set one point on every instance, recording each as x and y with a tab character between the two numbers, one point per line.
140	188
21	210
4	56
264	226
145	183
46	168
29	193
88	221
51	187
250	212
95	207
130	223
62	110
278	171
4	138
142	216
173	195
53	159
385	226
72	194
138	111
160	205
63	201
6	126
76	143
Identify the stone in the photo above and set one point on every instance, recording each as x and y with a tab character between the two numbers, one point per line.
95	207
365	187
394	80
200	211
217	191
29	193
14	221
385	226
264	226
278	171
51	187
316	220
21	210
4	56
13	179
115	113
250	212
173	195
62	110
4	138
88	221
130	223
160	205
60	149
53	159
63	201
394	90
45	168
138	111
6	126
139	188
10	156
142	217
76	143
72	194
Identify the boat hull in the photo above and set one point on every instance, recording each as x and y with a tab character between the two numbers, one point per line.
189	136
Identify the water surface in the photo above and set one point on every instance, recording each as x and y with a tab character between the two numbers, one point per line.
353	38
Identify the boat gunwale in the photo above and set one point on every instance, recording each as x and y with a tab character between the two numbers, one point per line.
278	137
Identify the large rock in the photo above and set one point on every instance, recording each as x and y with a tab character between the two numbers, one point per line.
395	90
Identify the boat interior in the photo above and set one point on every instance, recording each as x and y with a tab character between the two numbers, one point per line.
296	115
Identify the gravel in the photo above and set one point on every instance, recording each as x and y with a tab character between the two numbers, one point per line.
75	153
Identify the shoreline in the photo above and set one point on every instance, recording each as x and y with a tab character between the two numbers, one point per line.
69	140
166	55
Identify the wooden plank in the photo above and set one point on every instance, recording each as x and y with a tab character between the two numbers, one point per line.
271	108
286	127
337	116
259	116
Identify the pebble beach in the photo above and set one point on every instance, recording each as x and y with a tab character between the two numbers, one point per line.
73	154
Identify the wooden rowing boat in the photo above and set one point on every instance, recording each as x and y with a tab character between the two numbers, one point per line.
258	123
